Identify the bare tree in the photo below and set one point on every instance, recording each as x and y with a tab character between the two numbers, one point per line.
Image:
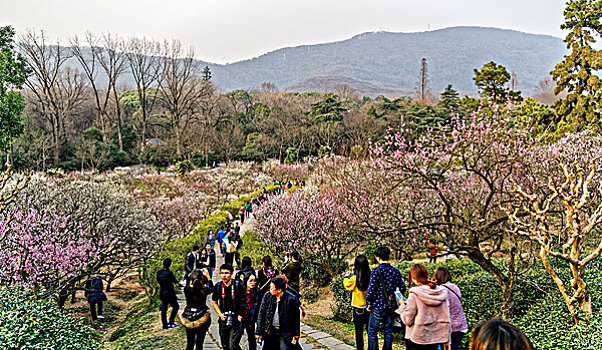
562	221
144	62
422	88
181	88
103	55
544	91
46	62
269	87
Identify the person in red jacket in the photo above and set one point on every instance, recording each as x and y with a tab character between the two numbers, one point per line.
433	254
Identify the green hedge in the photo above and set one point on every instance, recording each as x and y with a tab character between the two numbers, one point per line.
539	308
234	207
179	248
255	248
30	323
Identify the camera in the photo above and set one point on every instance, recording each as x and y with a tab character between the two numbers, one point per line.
229	318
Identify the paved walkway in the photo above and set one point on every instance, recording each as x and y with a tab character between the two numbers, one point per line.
308	335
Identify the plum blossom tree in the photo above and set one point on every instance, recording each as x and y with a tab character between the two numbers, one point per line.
123	233
286	172
448	185
313	224
41	251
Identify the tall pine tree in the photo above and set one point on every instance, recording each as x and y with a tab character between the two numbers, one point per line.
576	74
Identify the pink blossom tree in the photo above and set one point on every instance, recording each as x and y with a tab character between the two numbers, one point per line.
41	251
317	225
449	186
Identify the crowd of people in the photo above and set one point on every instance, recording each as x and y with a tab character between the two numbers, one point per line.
432	312
264	303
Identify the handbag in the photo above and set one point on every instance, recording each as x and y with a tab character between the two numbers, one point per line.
391	306
194	318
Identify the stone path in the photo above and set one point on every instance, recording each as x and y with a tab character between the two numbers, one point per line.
308	335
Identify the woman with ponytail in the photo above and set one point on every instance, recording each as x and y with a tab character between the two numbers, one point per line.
425	313
196	300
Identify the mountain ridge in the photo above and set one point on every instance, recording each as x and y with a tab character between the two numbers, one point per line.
392	59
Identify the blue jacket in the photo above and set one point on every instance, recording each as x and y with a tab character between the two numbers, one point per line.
220	236
94	291
375	296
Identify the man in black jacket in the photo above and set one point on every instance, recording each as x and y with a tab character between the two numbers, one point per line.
211	254
191	262
167	294
228	301
278	322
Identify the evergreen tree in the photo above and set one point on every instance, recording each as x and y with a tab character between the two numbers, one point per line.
449	100
206	73
492	82
13	72
330	109
576	74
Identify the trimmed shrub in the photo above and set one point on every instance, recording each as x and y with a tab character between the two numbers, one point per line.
255	249
30	323
341	310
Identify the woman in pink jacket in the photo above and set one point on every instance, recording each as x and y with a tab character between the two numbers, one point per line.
425	313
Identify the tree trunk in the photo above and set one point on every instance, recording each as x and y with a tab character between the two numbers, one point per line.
55	135
118	112
506	283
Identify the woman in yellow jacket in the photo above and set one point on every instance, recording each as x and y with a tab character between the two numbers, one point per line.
357	282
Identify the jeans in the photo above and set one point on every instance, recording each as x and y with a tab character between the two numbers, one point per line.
378	317
277	341
410	345
360	321
250	328
196	336
93	305
456	340
166	300
230	336
229	259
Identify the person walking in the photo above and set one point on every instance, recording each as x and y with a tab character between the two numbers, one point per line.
278	321
190	264
384	281
228	300
95	296
220	239
425	313
433	254
459	325
211	259
265	275
250	309
246	267
211	238
292	271
229	248
248	209
498	334
196	304
241	213
358	284
167	294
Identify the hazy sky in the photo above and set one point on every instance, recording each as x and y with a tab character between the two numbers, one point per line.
230	30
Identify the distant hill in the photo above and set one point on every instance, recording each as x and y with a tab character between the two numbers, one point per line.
391	61
330	83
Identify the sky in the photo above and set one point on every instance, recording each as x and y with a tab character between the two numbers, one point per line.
224	31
